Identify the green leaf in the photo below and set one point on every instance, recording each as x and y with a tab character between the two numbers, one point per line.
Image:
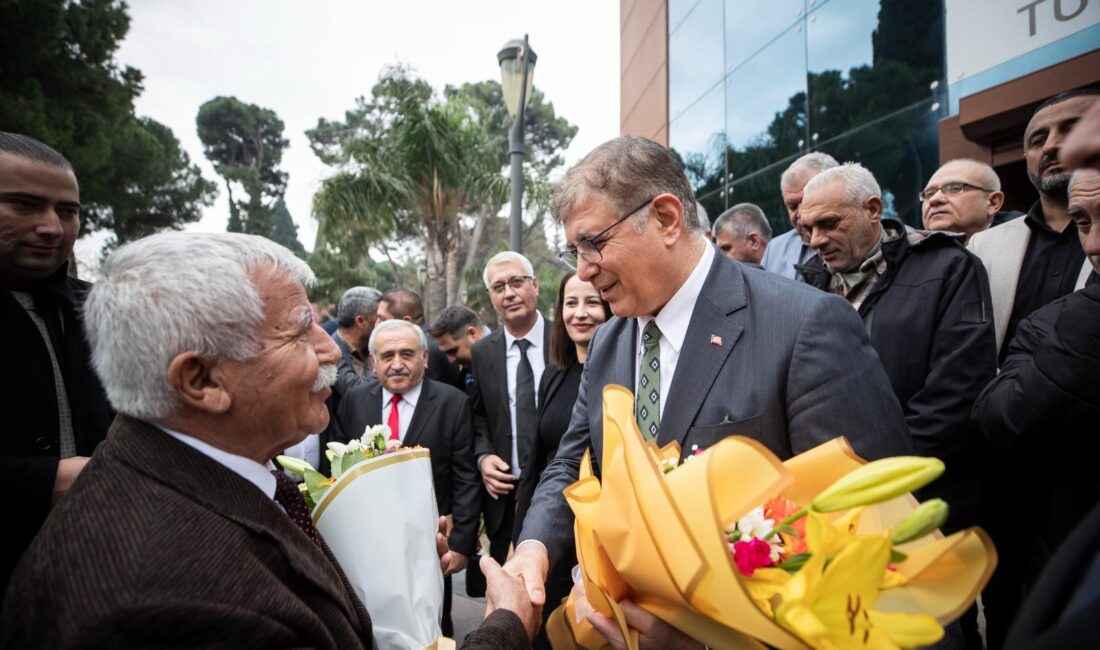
313	478
897	556
789	530
733	536
794	562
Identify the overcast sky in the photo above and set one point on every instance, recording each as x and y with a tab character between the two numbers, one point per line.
307	60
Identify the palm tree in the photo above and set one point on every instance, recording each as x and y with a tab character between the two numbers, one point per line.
408	166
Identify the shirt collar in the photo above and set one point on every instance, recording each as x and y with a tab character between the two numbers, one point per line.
1037	221
411	396
675	316
534	336
248	469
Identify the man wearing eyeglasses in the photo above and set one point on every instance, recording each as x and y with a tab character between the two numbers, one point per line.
964	196
711	349
1036	260
507	366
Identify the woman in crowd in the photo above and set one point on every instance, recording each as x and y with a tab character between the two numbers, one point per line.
577	314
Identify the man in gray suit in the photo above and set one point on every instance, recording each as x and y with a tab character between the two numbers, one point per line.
712	348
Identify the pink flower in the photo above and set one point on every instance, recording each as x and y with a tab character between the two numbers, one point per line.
752	554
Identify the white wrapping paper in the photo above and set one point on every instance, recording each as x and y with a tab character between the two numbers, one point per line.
380	520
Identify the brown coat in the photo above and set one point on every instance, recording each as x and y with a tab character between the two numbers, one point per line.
158	546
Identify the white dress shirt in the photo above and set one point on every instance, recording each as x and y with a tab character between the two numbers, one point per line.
308	450
405	409
248	469
673	321
538	364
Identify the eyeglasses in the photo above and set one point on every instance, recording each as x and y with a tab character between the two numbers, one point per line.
515	282
588	249
950	189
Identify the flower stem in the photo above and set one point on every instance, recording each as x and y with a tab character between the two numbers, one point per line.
786	522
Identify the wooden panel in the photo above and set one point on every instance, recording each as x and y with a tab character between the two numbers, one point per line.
1004	110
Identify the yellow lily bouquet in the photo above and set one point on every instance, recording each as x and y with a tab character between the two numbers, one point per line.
854	562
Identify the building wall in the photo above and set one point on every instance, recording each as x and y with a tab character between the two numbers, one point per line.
643	93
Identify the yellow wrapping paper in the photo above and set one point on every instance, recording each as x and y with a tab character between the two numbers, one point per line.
659	538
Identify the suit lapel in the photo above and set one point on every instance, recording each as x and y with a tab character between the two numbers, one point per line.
712	333
373	405
425	406
500	362
1004	272
156	455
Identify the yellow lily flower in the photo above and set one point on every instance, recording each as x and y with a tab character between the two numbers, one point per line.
829	608
826	537
878	481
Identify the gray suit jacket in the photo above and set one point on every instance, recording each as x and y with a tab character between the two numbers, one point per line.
793	369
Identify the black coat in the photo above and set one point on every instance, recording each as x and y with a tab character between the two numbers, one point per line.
929	317
1050	617
492	416
1042	413
29	429
441	422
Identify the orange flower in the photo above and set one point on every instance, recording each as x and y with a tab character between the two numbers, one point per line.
779	508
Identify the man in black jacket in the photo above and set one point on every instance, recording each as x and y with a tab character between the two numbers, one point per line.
54	411
1043	407
924	300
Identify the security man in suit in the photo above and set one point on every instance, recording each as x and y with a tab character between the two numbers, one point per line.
711	347
422	412
507	368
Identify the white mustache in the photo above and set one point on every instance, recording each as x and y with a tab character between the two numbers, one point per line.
326	376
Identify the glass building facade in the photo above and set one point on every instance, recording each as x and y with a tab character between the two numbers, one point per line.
752	86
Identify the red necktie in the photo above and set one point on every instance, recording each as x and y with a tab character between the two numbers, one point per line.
392	422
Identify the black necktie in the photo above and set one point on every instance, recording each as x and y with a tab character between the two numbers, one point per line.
525	403
290	498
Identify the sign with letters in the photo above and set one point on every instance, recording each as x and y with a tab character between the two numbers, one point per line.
982	34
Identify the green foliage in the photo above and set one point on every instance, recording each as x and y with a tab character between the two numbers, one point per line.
335	276
283	229
245	143
411	166
59	83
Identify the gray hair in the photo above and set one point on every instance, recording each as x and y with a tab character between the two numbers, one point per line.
859	183
357	301
741	220
395	323
507	256
815	161
1076	176
990	179
626	171
177	292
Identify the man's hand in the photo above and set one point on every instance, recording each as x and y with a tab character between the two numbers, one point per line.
495	475
529	562
67	471
503	591
446	556
457	563
1082	146
652	631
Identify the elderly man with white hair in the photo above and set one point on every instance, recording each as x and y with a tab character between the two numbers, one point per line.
179	533
793	247
924	300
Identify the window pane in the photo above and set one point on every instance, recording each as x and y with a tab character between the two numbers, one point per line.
902	151
697	138
869	58
766	105
762	188
695	62
750	28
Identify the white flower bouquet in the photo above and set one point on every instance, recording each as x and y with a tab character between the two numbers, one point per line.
377	512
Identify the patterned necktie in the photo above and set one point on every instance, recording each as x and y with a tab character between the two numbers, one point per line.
290	498
525	403
647	401
393	422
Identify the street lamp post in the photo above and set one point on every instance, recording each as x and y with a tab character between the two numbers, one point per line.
517	70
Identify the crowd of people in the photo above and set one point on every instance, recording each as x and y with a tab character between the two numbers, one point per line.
141	414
